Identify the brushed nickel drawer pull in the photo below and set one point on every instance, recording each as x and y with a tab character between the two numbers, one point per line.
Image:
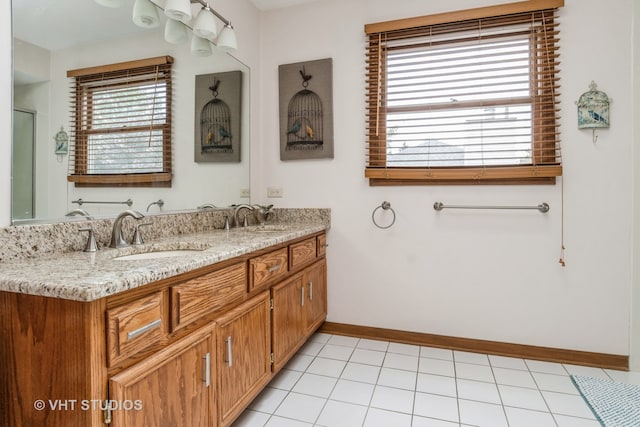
302	295
310	291
229	352
133	334
206	360
275	268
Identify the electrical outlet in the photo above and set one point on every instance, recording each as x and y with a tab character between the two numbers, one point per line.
245	193
274	192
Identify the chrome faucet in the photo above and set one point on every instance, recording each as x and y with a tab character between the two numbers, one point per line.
158	202
79	212
117	241
207	206
236	209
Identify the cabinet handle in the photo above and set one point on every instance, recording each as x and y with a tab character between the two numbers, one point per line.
275	268
206	369
229	352
302	302
133	334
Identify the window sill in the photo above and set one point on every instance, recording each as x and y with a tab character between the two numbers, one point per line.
160	179
508	175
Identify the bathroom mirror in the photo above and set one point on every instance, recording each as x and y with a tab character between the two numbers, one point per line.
51	37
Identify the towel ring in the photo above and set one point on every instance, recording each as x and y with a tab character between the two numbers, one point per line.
387	207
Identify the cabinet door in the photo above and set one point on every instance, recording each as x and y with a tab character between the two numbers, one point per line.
289	324
315	281
172	388
244	365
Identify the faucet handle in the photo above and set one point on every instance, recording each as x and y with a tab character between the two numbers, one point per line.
226	222
137	235
92	245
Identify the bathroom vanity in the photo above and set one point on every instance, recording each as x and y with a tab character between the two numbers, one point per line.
187	340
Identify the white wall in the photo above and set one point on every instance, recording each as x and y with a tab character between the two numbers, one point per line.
478	274
635	302
5	113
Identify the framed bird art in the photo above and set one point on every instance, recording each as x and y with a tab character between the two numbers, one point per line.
217	117
306	110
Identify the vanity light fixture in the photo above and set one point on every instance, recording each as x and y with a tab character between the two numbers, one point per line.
110	3
205	24
200	46
227	39
175	32
178	12
145	14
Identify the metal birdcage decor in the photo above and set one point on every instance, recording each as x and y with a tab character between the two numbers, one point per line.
593	109
215	124
304	117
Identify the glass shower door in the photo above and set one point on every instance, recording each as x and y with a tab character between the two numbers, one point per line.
22	166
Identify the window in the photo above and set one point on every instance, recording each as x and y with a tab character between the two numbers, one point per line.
121	132
465	97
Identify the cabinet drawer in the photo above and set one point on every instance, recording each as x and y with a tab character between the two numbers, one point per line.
302	253
268	267
322	245
134	327
206	294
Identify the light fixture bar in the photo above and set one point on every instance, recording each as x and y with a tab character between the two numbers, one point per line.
220	17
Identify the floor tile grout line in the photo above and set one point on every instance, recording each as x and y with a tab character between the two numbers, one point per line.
417	372
546	404
290	391
455	376
495	380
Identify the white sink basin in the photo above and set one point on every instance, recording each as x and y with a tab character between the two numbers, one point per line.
158	254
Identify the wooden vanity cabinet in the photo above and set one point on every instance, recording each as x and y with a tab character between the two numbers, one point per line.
53	355
244	347
196	298
299	308
191	350
174	387
136	326
288	319
315	278
267	269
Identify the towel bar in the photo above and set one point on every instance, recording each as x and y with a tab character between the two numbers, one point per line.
542	207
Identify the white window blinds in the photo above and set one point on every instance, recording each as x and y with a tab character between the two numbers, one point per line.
122	124
475	100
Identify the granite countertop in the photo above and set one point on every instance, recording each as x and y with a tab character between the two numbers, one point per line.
85	276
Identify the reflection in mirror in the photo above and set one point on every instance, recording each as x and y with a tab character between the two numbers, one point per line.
44	51
22	202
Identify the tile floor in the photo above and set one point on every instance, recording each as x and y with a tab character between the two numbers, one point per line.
338	381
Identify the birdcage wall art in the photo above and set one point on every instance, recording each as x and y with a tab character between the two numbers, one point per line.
215	126
593	110
306	110
217	117
304	119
